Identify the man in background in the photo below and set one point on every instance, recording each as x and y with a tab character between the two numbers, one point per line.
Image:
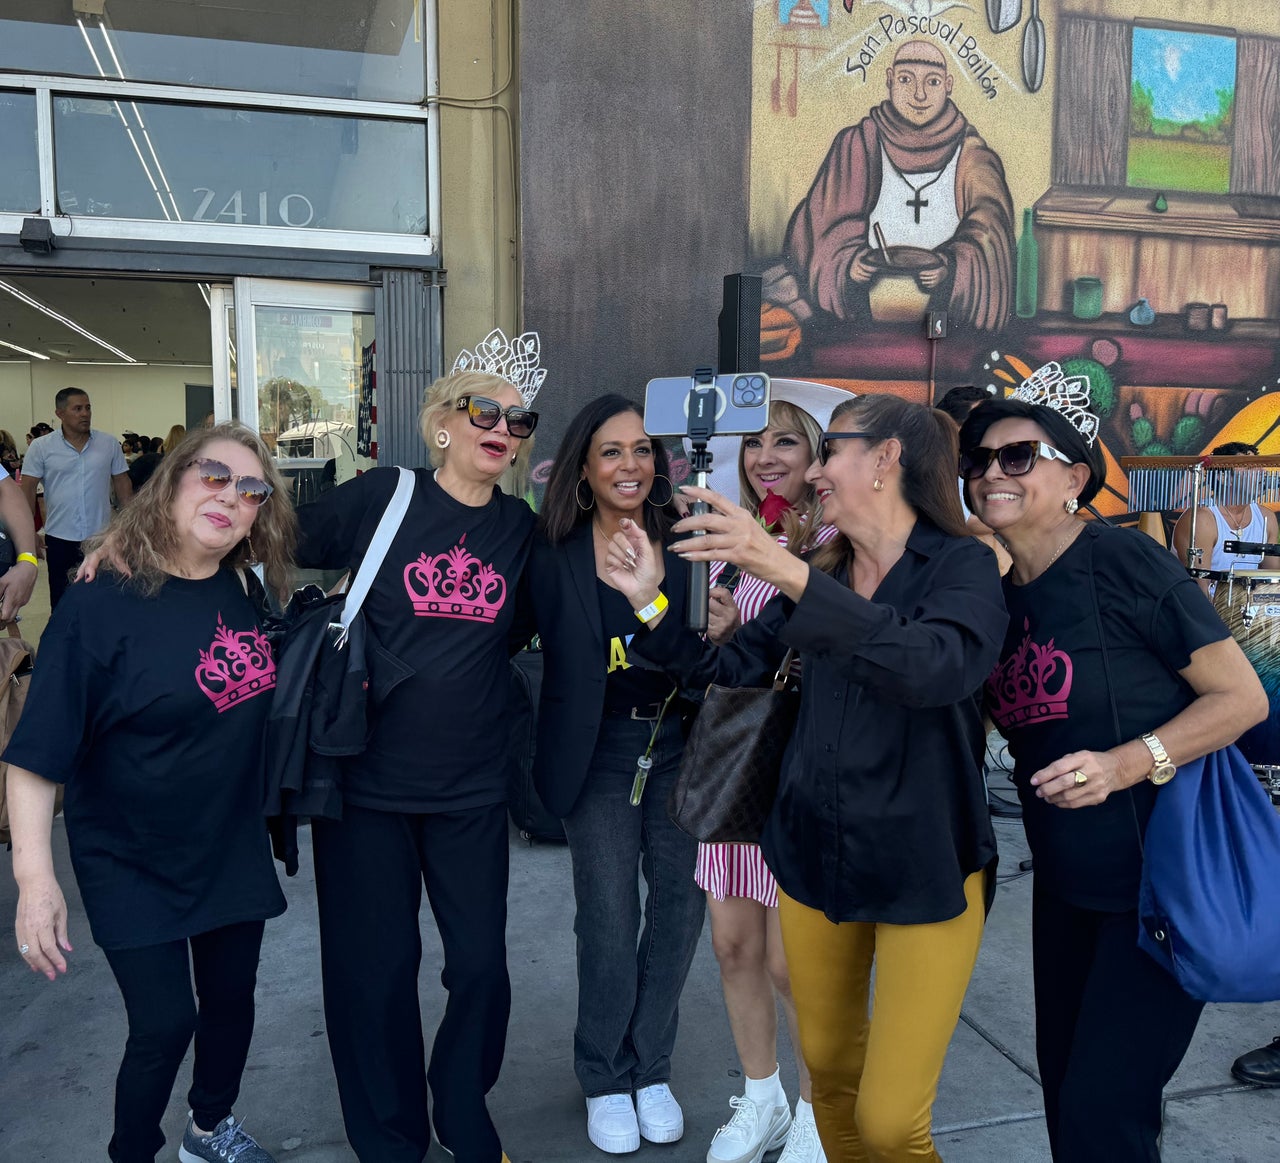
79	466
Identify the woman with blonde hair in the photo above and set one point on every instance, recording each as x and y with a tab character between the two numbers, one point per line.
417	812
146	706
742	895
175	437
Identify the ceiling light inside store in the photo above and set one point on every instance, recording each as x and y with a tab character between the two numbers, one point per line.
24	350
106	363
44	308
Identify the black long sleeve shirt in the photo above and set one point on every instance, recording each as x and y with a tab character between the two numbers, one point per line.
881	812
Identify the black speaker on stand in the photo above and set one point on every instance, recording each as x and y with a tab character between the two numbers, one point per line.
740	324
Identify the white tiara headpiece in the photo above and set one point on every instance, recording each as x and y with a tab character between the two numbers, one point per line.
515	360
1066	395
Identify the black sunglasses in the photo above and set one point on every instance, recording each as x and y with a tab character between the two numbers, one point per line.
216	476
1015	460
485	413
824	443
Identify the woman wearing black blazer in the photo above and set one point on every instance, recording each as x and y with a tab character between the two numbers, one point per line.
598	715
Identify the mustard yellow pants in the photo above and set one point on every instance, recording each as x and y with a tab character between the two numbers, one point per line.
875	1069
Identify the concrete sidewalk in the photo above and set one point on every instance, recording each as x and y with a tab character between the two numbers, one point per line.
62	1044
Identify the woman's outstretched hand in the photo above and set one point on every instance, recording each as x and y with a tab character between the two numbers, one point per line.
105	553
632	565
731	534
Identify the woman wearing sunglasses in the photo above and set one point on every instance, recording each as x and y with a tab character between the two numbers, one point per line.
425	803
879	838
598	714
146	705
1115	669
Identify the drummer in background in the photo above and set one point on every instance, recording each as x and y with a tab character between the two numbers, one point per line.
1217	524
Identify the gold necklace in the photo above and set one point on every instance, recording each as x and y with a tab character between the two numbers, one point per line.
1070	537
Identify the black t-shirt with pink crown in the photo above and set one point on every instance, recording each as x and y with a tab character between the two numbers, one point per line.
1054	689
151	711
443	612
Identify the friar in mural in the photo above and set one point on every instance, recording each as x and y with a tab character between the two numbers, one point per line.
918	169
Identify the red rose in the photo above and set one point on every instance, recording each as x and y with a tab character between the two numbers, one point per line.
771	510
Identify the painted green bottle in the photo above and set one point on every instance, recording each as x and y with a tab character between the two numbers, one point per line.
1028	290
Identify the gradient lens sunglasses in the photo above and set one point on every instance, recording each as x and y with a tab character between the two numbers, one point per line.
485	413
1015	460
826	443
215	476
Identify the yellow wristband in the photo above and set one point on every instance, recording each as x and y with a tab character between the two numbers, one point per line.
653	609
31	557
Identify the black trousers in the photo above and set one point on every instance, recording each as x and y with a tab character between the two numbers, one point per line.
61	557
1111	1028
163	1015
370	869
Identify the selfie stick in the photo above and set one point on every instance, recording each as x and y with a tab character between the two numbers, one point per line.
702	427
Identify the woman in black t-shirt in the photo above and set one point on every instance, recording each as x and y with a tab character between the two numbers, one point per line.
1115	668
145	703
879	837
426	800
597	715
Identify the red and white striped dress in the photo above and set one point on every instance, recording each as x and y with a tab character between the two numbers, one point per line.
739	869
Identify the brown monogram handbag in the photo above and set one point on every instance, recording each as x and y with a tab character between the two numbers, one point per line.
733	759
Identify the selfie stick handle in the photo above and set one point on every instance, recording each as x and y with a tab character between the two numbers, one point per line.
702	426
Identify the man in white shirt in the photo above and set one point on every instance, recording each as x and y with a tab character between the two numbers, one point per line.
79	467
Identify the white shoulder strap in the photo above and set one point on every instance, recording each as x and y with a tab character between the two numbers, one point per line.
382	538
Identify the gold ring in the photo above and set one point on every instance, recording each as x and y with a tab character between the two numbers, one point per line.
1081	778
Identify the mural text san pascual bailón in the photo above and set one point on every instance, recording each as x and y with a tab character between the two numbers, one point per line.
966	50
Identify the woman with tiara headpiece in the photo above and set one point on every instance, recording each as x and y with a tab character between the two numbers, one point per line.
1115	669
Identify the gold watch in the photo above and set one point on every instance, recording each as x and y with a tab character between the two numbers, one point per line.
1162	769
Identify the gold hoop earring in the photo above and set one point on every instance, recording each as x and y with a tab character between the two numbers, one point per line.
671	492
442	439
577	496
878	485
1071	504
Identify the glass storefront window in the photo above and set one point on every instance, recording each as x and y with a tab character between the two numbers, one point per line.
247	167
19	170
369	50
312	367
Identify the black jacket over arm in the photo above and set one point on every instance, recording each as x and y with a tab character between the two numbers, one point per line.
881	812
561	589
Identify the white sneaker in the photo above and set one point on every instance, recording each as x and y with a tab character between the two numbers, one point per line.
753	1131
803	1144
611	1123
661	1119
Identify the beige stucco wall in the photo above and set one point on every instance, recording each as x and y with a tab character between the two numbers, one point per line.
478	69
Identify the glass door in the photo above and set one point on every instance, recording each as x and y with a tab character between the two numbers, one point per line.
298	364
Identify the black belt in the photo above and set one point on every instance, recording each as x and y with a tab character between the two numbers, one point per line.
645	713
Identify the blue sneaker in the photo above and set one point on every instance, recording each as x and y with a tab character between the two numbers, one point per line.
229	1143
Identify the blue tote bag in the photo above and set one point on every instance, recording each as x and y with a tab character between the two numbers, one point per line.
1209	905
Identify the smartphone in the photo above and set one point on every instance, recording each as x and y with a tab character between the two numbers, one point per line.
741	404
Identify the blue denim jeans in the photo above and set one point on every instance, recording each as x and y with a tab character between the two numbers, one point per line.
629	993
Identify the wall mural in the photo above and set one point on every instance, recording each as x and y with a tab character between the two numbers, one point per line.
1095	182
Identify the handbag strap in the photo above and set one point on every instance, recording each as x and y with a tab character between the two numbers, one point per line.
388	526
783	676
1111	693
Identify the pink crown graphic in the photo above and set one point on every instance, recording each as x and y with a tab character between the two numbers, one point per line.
1032	685
236	667
455	584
